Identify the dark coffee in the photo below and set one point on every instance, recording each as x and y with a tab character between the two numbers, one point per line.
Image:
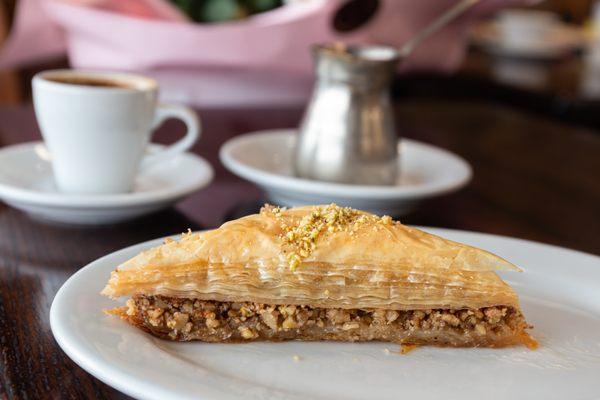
91	81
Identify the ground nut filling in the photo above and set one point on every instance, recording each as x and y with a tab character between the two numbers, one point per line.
211	321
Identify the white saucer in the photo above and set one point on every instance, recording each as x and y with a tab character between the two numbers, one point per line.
27	183
265	158
559	292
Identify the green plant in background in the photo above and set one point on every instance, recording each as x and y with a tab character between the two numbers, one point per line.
224	10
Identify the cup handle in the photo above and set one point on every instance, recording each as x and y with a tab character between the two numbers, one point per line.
194	127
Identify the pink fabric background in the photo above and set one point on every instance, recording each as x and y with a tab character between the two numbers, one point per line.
33	36
150	34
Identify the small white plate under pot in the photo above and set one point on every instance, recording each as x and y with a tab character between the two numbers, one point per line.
559	292
266	159
27	183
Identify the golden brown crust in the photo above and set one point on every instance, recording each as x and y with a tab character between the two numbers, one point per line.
356	260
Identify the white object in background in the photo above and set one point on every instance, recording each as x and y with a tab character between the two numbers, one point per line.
526	29
559	292
27	183
596	17
266	159
590	82
522	73
557	42
97	134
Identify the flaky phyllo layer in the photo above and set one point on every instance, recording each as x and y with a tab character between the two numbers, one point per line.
322	256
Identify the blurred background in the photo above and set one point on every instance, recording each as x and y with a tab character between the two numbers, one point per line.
512	86
231	53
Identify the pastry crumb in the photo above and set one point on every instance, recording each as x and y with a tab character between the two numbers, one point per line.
405	348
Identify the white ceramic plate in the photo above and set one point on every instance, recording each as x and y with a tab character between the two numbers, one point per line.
27	183
265	158
560	295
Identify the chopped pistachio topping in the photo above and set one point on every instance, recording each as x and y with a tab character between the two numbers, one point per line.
386	220
270	209
301	238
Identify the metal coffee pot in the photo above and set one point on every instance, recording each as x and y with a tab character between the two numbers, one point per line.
348	133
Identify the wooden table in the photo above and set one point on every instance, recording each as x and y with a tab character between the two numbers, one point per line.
534	178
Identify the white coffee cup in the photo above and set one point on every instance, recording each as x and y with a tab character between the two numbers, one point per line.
97	126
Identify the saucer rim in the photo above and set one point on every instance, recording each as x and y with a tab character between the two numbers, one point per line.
271	180
13	194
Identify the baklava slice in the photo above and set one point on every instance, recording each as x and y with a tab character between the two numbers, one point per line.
320	273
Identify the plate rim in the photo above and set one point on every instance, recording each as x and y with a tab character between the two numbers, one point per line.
71	350
273	181
121	380
9	193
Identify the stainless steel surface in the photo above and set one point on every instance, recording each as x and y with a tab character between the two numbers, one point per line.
348	133
443	20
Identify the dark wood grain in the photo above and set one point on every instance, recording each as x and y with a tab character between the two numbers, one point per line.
534	178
